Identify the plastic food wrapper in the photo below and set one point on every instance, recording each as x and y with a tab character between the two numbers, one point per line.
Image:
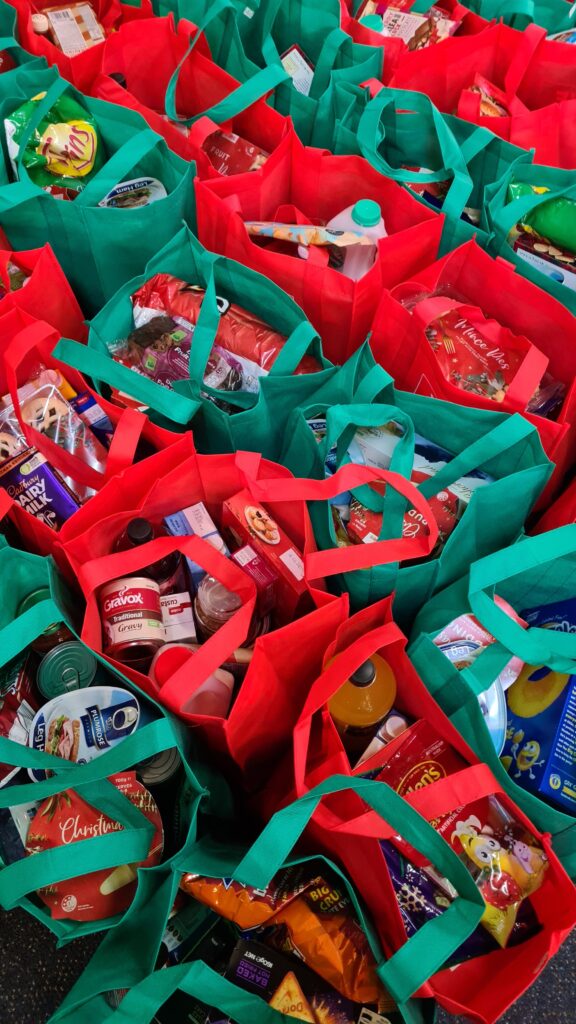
73	28
416	30
506	862
166	310
44	407
540	754
469	359
231	154
17	278
551	260
290	987
422	895
305	234
312	917
435	192
554	219
64	150
128	195
493	101
67	818
19	702
569	36
7	63
548	398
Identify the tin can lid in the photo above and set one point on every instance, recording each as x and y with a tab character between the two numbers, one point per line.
160	768
35	597
70	666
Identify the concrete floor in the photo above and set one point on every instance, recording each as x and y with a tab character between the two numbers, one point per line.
35	977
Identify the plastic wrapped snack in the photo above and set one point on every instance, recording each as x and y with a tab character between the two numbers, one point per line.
64	150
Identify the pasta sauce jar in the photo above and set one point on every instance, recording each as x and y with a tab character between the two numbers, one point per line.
132	626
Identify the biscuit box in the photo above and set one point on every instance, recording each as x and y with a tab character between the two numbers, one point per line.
250	523
540	749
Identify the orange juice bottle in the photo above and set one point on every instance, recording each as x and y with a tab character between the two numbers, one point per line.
361	704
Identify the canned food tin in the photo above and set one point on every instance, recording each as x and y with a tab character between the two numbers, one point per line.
70	666
132	626
56	633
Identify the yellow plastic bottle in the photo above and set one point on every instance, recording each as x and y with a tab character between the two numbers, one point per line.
362	703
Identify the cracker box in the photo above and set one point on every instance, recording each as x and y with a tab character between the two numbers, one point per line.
250	523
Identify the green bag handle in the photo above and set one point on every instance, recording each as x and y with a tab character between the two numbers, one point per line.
240	99
427	950
23	630
371	134
124	847
511	213
175	407
335	42
509	432
495	9
534	645
198	980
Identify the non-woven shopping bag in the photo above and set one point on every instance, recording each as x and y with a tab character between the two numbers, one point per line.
257	422
536	570
303	185
81	232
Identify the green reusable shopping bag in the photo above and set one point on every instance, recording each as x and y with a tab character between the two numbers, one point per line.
466	155
505	447
553	15
244	40
536	570
83	234
260	423
402	975
21	574
503	215
8	41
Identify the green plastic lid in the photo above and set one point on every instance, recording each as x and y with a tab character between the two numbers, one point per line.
366	212
70	666
373	21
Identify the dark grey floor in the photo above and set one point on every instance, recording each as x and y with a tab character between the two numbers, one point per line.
34	978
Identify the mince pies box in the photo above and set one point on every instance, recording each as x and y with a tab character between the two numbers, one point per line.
249	523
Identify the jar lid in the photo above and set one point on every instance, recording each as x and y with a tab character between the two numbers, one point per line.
216	600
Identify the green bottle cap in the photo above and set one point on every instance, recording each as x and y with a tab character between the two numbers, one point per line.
373	21
366	213
70	666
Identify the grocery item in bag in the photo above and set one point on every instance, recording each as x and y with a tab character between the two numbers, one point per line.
37	488
359	707
416	30
137	192
540	753
73	27
64	150
19	702
66	818
231	154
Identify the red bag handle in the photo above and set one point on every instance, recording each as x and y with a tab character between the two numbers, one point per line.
361	556
127	433
6	503
331	679
201	664
464	787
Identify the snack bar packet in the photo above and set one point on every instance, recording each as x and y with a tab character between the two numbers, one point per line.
66	818
463	639
505	861
64	150
554	219
493	101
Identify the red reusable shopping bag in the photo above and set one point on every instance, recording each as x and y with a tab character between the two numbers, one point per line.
80	68
204	92
538	77
301	185
46	294
507	301
561	513
480	989
285	661
25	346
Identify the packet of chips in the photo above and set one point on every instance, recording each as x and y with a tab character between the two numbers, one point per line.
64	150
312	917
554	219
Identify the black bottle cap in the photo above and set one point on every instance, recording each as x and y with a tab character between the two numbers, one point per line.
139	531
364	674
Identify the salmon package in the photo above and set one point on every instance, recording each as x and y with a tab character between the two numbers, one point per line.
66	818
506	862
310	916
